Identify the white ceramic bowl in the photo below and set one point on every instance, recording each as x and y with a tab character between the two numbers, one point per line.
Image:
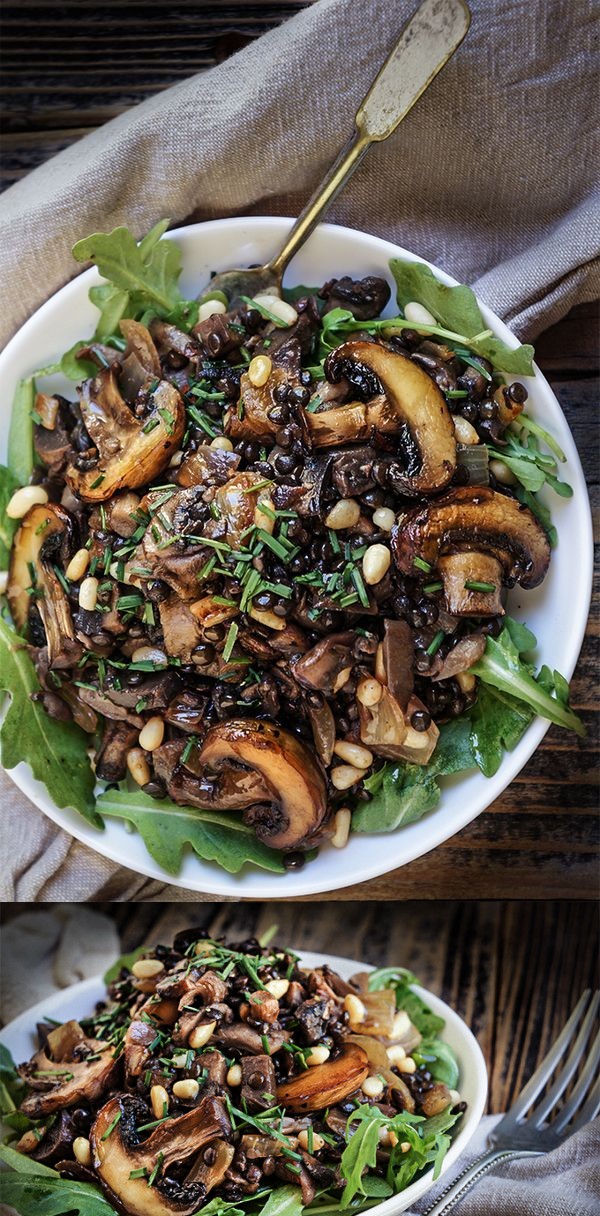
556	611
79	1000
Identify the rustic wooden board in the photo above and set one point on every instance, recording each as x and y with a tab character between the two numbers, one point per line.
70	66
514	971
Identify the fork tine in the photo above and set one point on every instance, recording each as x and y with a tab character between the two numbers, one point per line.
549	1101
589	1111
542	1075
580	1091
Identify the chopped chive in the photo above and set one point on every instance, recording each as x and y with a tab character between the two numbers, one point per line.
190	745
435	645
230	641
260	485
454	393
141	1173
282	551
474	585
429	588
64	582
112	1126
333	540
357	579
42	527
150	425
202	420
421	564
98	482
159	1161
221	599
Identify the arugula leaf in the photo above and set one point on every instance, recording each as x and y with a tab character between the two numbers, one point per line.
151	269
541	512
20	435
532	467
502	667
56	752
72	366
166	828
403	793
22	1164
456	308
291	294
125	960
360	1156
35	1195
285	1201
112	303
427	1138
440	1059
8	527
498	721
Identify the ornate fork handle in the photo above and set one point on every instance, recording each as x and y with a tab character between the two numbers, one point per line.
453	1193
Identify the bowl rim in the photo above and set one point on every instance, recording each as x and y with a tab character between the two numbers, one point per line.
253	882
25	1022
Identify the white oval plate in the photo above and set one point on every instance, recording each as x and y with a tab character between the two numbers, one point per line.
79	1000
556	611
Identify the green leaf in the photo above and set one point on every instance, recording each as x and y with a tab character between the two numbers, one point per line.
75	368
502	667
530	476
113	303
440	1059
428	1024
8	527
498	721
56	752
35	1195
456	308
166	829
285	1201
125	960
150	269
403	793
20	435
24	1165
541	512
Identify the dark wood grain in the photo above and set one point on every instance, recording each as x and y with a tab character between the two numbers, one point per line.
71	66
513	971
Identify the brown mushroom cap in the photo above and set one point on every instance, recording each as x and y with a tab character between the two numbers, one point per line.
290	771
117	1155
325	1084
502	538
411	407
131	452
43	538
59	1083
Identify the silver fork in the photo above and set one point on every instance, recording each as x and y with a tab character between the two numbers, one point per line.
530	1131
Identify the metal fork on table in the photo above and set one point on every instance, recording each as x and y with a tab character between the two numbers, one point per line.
530	1130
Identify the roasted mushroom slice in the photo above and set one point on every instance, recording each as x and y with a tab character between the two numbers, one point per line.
327	666
78	1070
124	1161
131	451
479	540
289	769
44	541
188	784
411	408
325	1084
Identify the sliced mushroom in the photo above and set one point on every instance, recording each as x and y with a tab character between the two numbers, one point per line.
325	1084
211	1176
411	407
118	1154
474	535
238	504
60	1083
140	362
45	539
230	789
207	466
258	1082
290	771
131	451
378	1059
398	660
136	1048
243	1038
462	656
325	665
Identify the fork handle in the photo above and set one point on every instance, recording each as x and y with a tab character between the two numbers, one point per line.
478	1168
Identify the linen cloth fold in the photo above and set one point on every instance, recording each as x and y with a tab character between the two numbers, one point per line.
43	952
491	176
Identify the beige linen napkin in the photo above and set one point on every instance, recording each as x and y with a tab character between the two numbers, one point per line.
491	177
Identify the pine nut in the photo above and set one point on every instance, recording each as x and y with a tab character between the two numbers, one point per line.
400	1025
88	594
387	1137
277	988
418	314
138	766
159	1101
76	570
221	443
210	308
27	1143
82	1150
344	514
342	821
408	1065
147	968
405	1146
234	1076
396	1054
23	499
148	654
352	753
376	563
204	947
465	681
200	1036
180	1061
265	519
454	1097
317	1055
280	308
152	734
345	775
369	691
175	460
186	1089
259	370
380	672
355	1009
465	433
317	1141
372	1087
342	679
384	518
502	473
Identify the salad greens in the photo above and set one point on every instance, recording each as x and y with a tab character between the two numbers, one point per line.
36	1190
428	1139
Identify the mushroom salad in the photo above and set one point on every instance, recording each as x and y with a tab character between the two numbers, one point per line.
262	559
217	1075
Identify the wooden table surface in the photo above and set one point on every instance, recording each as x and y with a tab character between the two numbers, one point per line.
513	971
67	67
